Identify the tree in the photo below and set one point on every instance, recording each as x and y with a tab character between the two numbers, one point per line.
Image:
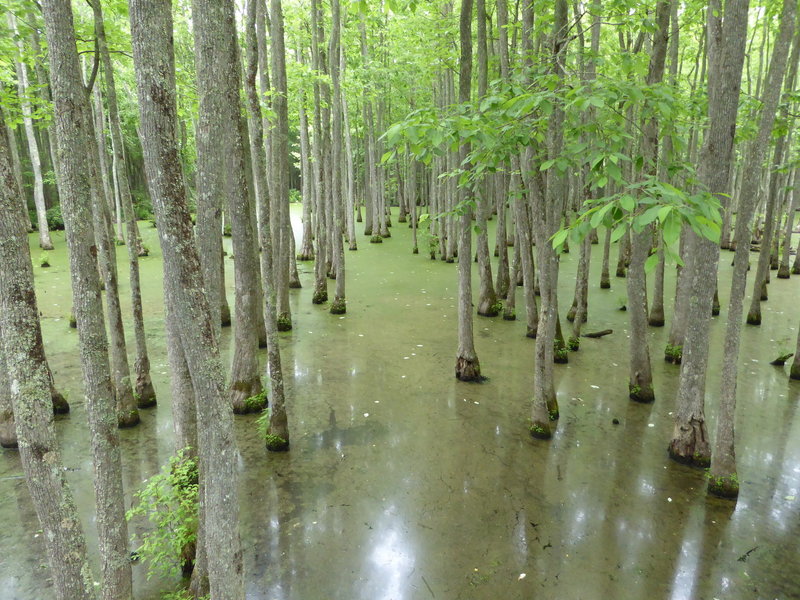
23	363
151	27
72	126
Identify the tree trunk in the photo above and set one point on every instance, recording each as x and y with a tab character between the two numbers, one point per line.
145	393
25	385
277	437
783	269
72	117
722	476
23	86
280	170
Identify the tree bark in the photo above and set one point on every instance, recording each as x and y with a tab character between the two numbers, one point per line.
151	34
25	384
72	120
723	480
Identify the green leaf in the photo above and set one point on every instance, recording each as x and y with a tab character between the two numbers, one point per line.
627	202
618	232
650	263
547	164
559	238
672	229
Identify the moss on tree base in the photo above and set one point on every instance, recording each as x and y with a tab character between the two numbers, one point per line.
415	250
724	487
468	370
656	319
605	284
276	443
509	315
145	394
754	317
353	247
128	419
285	322
338	306
305	256
492	310
376	239
643	394
319	297
252	404
794	372
571	313
540	431
795	270
691	447
73	322
783	272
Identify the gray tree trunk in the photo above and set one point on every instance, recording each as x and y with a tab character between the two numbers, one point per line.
72	117
33	148
25	384
723	480
280	170
468	366
339	304
151	34
145	393
278	432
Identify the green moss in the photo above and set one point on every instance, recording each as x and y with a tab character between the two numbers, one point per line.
275	443
284	322
376	239
573	344
339	306
540	432
320	297
256	403
725	486
44	260
673	354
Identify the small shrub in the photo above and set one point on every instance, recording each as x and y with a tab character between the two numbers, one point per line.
55	221
169	501
44	260
295	196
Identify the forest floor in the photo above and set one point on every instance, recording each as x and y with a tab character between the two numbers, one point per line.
403	483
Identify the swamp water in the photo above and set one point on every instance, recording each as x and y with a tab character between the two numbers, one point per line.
403	483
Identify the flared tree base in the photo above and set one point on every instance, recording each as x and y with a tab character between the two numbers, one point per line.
540	431
128	418
319	297
305	256
794	372
726	486
509	315
796	270
145	392
531	332
641	393
468	370
284	322
605	284
621	273
60	404
754	317
353	246
415	250
571	313
656	319
783	272
489	308
248	397
276	443
689	445
225	316
338	306
376	239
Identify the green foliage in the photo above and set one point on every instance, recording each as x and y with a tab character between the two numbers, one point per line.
295	197
44	259
55	222
257	402
170	503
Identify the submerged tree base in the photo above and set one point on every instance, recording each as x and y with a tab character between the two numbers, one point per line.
490	310
285	321
60	404
225	316
509	315
468	370
376	239
276	443
255	402
338	306
783	272
145	392
754	317
540	431
320	297
724	486
641	393
689	444
304	256
126	419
